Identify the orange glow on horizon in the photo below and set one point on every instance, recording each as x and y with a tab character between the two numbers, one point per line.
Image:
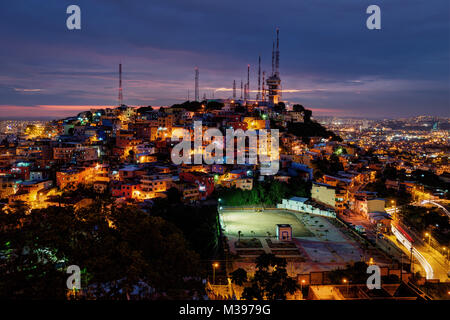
47	110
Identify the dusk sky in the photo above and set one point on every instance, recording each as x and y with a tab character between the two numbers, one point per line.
329	62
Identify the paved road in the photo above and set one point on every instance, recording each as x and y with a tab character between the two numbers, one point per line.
438	205
439	265
416	253
433	264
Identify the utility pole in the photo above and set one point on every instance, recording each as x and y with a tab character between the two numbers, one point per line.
401	266
196	84
120	85
273	58
258	97
263	86
248	82
277	55
241	89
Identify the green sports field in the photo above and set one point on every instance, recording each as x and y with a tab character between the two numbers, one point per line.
257	224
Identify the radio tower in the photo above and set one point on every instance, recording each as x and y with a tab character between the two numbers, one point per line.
248	82
196	84
274	81
263	86
273	57
277	56
258	96
120	85
241	89
234	89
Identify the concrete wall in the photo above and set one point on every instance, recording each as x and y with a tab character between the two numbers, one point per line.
376	205
324	194
304	208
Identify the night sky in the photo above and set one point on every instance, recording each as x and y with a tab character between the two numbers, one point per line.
329	62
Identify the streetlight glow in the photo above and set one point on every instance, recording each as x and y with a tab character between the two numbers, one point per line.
215	265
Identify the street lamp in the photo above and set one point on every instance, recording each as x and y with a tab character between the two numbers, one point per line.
215	265
301	285
429	238
346	282
446	254
395	209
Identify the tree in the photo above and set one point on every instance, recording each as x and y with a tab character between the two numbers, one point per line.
239	276
271	281
240	109
298	108
262	193
190	105
280	107
119	248
214	105
330	167
310	128
198	223
131	156
142	110
307	114
173	195
356	273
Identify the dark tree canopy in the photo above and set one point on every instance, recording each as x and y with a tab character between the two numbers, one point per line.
280	107
190	105
270	282
117	248
265	193
239	276
142	110
310	129
214	105
298	108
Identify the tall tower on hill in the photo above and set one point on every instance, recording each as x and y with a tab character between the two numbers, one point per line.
120	85
274	81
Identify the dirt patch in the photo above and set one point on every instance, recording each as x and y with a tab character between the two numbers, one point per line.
249	252
280	245
248	243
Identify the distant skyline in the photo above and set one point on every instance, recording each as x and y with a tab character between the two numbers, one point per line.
329	62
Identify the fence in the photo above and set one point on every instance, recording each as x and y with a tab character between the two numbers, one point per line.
322	277
299	206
